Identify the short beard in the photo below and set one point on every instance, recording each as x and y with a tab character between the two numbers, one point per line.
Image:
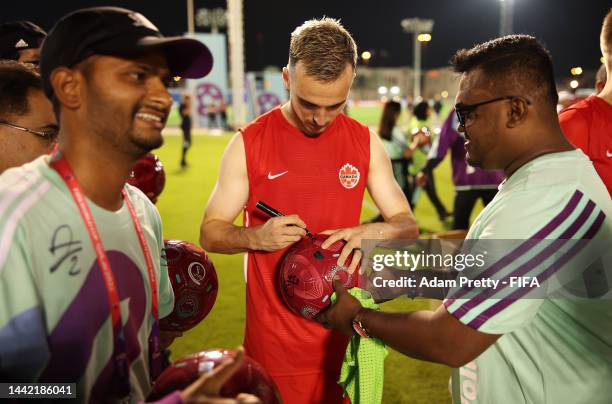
143	146
133	145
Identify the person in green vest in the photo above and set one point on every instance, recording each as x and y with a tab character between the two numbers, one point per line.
394	143
420	125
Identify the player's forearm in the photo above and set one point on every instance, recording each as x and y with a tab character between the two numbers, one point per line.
400	226
413	334
225	238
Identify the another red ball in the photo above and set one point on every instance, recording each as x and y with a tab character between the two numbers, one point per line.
194	282
307	272
251	378
149	176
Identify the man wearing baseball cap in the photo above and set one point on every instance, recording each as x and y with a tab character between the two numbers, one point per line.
84	248
21	40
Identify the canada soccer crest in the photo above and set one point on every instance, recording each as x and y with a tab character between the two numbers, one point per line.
349	176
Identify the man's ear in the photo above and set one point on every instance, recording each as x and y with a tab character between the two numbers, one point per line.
66	85
286	77
517	114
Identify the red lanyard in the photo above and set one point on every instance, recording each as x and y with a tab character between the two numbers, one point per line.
60	164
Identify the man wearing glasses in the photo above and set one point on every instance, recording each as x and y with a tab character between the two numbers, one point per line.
28	127
82	280
506	345
471	183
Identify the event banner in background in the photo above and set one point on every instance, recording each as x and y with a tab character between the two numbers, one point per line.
209	92
264	92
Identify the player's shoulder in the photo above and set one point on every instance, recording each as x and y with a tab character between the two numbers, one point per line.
257	126
574	121
581	105
581	108
578	114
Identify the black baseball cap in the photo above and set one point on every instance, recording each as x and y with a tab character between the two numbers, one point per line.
18	35
117	31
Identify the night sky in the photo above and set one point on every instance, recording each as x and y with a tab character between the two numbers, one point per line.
569	28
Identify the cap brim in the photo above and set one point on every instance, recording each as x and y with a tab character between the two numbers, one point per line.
186	57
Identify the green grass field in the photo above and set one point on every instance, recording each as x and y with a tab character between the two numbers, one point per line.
182	205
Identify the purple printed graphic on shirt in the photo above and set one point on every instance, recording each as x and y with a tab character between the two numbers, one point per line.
464	176
72	340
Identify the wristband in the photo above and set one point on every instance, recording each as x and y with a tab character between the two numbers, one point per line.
358	325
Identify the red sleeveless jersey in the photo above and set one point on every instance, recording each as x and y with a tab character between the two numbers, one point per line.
321	179
588	125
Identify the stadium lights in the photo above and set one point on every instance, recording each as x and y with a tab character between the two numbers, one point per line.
382	90
395	90
424	37
214	18
574	84
417	27
366	56
576	71
444	94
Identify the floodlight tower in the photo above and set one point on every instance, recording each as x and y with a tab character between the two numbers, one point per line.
506	17
190	22
421	32
236	45
214	19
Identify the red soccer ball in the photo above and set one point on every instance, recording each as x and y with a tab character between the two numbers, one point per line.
307	272
149	176
251	378
194	282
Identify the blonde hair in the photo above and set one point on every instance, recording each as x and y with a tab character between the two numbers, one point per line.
324	47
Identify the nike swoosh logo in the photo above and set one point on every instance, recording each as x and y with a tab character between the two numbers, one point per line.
271	177
608	154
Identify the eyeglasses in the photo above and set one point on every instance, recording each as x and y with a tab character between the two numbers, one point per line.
50	134
464	112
